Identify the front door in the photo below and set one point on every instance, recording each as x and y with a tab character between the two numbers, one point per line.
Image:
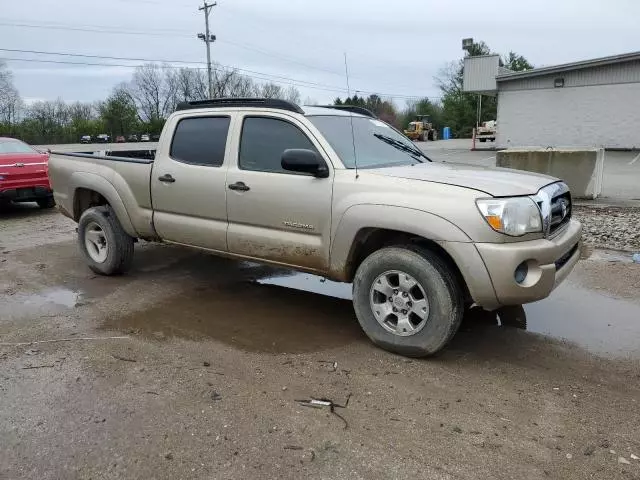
275	214
188	182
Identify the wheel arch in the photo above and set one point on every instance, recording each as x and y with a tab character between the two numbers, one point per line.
366	228
90	190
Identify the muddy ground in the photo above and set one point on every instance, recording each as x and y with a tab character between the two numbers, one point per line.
190	367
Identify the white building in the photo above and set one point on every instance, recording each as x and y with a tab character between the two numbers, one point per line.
592	103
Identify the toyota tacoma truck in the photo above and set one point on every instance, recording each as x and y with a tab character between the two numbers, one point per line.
335	192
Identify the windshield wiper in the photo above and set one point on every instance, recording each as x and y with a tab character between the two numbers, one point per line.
401	146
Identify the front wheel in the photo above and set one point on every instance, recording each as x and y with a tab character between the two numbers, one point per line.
107	248
407	300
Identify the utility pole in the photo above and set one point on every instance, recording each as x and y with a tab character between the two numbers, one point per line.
208	39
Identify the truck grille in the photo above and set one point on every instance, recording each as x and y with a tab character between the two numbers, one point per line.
555	206
560	212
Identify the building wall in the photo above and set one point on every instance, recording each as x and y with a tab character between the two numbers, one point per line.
628	72
597	107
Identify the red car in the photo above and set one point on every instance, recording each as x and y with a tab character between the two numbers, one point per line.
24	174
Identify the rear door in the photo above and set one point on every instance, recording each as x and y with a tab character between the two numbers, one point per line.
275	214
188	181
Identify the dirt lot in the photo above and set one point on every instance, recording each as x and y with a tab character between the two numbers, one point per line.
190	367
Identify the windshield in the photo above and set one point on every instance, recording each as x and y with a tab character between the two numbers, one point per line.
376	144
412	127
14	146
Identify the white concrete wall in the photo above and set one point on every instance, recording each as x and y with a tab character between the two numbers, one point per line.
591	116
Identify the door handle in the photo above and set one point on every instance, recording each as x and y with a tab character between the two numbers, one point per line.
239	187
167	178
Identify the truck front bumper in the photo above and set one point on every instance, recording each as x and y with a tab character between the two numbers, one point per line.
546	262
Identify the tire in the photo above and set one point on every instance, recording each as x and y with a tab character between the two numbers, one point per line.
482	140
444	308
99	225
513	316
47	202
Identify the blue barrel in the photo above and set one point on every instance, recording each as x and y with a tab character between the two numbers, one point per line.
446	133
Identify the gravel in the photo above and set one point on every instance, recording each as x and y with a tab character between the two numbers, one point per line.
615	228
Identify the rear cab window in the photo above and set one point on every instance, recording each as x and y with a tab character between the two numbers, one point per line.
200	140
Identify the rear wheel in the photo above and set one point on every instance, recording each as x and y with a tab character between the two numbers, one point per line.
107	248
407	300
47	202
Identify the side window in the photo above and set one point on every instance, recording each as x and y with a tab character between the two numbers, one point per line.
200	141
264	140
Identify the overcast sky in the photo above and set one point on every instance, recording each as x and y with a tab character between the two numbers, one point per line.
394	48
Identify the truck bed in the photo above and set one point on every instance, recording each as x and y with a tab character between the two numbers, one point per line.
123	179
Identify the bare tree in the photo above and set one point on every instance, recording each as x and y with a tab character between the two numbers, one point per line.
187	84
292	94
154	92
271	90
10	101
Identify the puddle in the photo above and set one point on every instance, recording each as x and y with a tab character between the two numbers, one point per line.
603	325
281	311
250	316
20	304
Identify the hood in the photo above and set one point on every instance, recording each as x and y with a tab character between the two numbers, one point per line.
498	182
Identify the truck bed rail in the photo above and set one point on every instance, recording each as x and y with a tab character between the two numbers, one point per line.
144	161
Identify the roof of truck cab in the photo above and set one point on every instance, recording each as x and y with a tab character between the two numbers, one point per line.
310	110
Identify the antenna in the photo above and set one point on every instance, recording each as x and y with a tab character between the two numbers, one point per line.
353	136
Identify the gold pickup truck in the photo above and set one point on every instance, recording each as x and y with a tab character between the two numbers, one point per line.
336	192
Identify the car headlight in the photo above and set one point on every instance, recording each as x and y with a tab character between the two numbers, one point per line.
512	216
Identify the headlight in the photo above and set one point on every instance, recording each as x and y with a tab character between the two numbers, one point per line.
511	216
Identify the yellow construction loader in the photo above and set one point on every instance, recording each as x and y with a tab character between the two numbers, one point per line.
421	129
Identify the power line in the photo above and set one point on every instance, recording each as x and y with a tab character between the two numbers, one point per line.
96	64
163	61
95	29
168	63
155	33
158	33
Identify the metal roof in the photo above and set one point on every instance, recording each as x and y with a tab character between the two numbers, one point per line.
565	67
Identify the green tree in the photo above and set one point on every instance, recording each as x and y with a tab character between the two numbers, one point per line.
119	113
423	107
515	62
383	109
460	107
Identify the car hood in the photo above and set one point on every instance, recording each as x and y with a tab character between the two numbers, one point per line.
498	182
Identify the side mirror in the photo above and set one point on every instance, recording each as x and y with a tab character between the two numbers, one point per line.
304	161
